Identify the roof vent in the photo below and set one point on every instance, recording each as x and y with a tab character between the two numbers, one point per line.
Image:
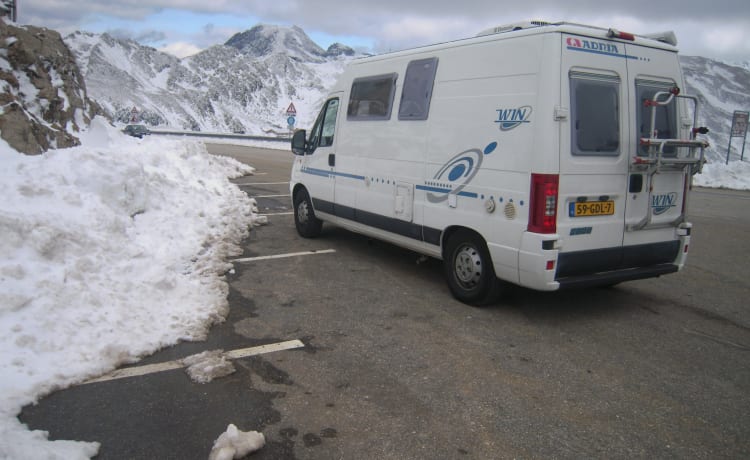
512	27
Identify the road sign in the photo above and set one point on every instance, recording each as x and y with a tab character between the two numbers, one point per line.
739	129
291	110
290	121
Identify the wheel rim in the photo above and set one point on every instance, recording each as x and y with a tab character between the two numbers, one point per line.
302	212
468	266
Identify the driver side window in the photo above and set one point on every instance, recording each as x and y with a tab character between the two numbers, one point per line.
325	126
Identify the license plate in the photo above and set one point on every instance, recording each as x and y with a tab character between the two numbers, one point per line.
592	208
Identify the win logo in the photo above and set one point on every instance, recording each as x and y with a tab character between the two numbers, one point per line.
510	118
662	203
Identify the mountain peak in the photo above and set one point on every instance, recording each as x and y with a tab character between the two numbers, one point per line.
264	40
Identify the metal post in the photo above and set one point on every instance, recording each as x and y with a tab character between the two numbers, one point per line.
730	147
742	157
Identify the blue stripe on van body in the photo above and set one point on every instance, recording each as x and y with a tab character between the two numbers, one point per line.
329	173
428	188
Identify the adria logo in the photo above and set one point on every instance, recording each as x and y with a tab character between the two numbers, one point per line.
592	46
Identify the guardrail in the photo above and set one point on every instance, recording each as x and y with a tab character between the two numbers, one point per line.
220	135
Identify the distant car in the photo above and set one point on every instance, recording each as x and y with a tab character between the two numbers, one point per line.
136	131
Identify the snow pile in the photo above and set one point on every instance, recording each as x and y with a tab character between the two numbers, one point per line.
107	254
209	365
735	175
234	443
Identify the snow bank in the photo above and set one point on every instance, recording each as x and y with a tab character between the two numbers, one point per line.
735	175
109	251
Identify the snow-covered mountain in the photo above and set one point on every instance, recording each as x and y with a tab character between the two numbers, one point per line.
246	84
242	86
721	89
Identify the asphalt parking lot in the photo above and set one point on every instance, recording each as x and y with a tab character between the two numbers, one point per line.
393	367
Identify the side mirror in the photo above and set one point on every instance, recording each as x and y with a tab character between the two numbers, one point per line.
299	142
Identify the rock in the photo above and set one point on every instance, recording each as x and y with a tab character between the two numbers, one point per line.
44	101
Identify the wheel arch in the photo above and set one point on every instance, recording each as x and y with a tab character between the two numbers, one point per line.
452	230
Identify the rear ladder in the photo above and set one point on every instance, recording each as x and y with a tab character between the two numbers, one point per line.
652	164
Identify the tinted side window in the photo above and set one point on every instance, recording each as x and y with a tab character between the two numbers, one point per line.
595	108
372	98
417	92
324	128
665	126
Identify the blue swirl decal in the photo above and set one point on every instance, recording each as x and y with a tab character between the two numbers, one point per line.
456	173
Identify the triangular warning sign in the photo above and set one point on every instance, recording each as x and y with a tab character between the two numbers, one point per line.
291	110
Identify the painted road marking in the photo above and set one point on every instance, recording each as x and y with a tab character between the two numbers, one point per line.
171	365
262	183
280	213
283	256
270	196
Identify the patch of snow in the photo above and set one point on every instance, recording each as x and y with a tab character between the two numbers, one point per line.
735	175
207	366
234	444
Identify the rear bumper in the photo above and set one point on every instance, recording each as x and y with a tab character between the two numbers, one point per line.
616	276
614	265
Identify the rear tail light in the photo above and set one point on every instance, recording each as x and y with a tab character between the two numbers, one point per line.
543	206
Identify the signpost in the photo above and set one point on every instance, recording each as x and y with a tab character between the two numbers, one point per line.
291	113
739	129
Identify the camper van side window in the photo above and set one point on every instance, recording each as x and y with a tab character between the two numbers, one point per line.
595	109
417	92
665	126
372	98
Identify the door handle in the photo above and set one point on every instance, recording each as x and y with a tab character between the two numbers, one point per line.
331	159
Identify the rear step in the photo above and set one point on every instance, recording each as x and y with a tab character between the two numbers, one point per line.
656	161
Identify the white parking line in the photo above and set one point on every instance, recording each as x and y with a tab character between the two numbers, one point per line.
263	183
280	213
170	365
270	196
282	256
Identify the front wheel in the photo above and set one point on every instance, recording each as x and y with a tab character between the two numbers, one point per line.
308	226
469	270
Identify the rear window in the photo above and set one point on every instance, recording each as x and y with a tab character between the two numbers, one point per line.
665	119
595	110
372	98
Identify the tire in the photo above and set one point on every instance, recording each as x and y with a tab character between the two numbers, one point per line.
468	268
308	226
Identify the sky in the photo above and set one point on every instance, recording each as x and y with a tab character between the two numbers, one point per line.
719	29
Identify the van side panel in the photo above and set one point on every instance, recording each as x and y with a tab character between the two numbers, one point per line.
481	143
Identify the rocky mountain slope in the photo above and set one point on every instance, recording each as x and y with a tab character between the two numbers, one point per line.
721	89
242	86
43	100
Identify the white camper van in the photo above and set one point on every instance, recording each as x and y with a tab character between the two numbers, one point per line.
545	155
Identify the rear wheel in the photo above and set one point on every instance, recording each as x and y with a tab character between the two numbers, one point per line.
469	270
308	226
